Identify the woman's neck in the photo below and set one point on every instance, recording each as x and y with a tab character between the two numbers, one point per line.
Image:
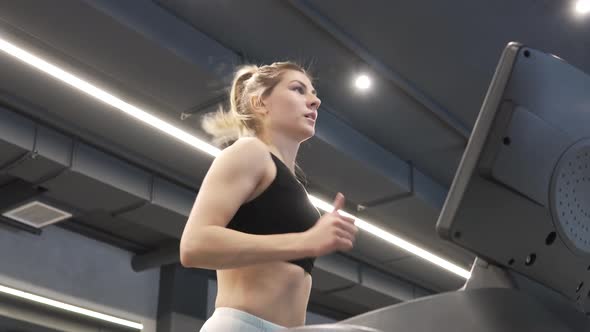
285	149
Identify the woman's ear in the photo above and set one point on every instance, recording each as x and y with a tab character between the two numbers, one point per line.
257	104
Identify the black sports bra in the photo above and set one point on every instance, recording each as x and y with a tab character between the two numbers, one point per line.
282	208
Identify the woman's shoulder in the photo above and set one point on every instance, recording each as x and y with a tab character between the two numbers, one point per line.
252	142
246	152
251	148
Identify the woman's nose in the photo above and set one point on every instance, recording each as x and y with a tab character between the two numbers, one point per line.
314	103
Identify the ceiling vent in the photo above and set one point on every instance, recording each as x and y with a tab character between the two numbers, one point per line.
36	214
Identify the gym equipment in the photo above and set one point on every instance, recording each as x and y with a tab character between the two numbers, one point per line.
520	201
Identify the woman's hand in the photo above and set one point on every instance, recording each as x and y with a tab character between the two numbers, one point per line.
331	232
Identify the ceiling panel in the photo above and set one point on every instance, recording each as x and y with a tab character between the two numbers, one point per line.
138	66
450	49
344	174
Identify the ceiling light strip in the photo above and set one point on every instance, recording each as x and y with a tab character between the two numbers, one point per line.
69	307
395	240
204	146
106	97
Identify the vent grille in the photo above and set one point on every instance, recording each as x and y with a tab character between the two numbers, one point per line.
570	192
37	214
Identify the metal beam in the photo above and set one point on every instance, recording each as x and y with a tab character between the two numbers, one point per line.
155	23
352	143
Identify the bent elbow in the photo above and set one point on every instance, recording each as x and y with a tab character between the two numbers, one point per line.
188	257
184	259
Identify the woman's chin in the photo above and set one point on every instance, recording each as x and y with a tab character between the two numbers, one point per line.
307	133
310	134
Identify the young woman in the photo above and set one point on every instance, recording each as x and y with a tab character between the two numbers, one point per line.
252	220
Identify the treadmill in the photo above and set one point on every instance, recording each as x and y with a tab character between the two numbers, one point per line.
520	201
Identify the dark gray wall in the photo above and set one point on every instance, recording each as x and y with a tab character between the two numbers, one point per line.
67	267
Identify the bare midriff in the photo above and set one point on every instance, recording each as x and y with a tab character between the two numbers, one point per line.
277	292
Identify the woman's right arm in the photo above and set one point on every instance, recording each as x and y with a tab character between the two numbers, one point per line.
231	179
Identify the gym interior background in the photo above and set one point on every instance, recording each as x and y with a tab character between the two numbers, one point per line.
103	196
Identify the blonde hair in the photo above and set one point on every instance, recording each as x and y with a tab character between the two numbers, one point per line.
241	120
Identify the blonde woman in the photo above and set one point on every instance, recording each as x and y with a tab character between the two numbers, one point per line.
252	221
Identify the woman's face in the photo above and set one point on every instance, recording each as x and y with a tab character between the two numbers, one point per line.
292	106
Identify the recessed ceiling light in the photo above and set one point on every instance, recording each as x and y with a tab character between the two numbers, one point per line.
362	82
583	6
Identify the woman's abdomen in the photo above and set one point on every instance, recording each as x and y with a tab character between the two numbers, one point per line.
278	291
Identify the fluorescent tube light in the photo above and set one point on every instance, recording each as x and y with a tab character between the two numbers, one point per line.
69	307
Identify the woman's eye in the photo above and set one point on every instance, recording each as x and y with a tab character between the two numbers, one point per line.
300	89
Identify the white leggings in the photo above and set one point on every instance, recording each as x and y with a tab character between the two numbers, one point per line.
226	319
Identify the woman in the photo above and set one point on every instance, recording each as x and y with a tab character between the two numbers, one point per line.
252	220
